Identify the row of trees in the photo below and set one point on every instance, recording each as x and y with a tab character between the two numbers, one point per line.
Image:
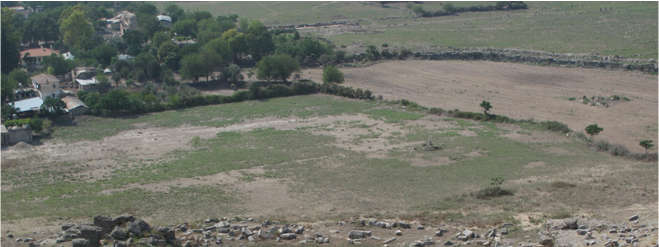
450	9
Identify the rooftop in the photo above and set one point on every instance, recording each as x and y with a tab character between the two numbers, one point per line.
164	18
31	104
73	102
86	82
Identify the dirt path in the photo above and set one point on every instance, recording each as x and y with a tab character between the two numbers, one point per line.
520	91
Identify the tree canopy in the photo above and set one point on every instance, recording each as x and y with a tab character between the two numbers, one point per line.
76	30
276	67
332	74
11	40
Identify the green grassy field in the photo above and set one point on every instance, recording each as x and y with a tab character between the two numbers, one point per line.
626	29
318	168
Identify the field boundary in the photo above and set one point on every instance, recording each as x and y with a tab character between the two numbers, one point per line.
521	56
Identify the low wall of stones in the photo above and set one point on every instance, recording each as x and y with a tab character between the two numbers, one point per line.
534	57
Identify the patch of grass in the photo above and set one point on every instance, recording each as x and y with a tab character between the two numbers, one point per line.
393	116
96	128
588	29
560	214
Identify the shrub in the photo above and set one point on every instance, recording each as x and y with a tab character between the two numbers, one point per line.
491	192
332	74
593	129
17	122
618	150
36	124
646	144
555	126
494	190
436	111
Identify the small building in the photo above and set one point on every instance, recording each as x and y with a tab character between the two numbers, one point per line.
15	134
35	56
47	85
28	106
164	20
74	105
125	57
84	77
68	56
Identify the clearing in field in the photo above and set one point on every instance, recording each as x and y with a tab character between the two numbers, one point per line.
521	91
312	158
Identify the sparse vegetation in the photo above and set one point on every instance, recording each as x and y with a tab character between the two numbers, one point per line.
646	144
593	130
493	190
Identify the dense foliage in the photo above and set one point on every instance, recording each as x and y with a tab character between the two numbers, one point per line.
449	9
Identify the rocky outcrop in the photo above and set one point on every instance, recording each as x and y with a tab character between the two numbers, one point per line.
133	231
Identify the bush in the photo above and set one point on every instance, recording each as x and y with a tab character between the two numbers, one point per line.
332	74
436	111
36	124
555	126
17	122
491	192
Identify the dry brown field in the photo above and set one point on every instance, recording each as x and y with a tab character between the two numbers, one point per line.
520	91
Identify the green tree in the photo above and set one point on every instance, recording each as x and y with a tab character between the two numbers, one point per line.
53	106
147	23
217	54
486	107
77	32
449	8
276	67
134	39
193	67
232	73
20	77
259	40
42	26
168	55
159	38
58	63
593	130
11	40
647	144
148	65
175	12
237	43
372	53
187	27
104	54
8	86
418	10
332	74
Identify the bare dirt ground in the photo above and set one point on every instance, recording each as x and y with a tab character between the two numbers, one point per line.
520	91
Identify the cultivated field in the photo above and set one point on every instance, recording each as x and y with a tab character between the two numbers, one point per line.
607	28
311	158
521	91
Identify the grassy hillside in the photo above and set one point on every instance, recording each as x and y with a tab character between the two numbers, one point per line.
352	155
607	28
